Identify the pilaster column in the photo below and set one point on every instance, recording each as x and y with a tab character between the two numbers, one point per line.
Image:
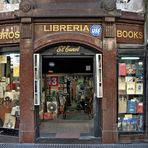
27	128
109	82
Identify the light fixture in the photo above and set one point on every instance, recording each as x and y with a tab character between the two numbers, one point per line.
130	58
51	64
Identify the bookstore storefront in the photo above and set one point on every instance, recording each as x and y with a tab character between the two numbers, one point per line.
69	81
131	100
63	83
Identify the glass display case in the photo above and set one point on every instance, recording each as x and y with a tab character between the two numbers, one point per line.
131	94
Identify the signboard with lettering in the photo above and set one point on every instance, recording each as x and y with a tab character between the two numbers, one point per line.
94	30
69	49
9	34
130	33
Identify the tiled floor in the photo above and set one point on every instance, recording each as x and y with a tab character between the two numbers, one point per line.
65	129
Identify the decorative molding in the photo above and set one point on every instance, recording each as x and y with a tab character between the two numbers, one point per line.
26	31
109	5
27	5
109	30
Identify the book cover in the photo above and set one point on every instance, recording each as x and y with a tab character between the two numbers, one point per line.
122	69
131	106
139	108
122	105
139	88
130	88
131	68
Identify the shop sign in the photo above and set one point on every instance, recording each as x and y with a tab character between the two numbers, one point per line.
130	33
67	49
9	34
91	29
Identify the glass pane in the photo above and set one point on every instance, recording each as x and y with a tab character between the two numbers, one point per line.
9	90
130	94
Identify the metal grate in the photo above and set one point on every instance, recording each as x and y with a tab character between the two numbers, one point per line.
73	145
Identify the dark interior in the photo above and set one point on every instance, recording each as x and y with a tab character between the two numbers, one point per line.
67	65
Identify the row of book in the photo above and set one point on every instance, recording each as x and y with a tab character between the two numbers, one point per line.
129	106
131	88
130	123
130	69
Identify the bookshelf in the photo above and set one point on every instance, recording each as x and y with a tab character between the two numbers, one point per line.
130	94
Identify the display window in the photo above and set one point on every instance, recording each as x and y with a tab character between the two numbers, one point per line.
131	93
9	92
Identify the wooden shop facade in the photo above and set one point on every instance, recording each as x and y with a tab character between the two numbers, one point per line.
73	70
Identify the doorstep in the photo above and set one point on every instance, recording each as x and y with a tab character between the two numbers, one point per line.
70	140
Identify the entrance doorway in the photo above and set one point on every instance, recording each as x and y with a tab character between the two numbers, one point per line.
67	89
66	108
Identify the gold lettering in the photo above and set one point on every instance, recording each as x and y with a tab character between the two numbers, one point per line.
17	34
136	35
11	35
140	35
67	49
81	28
119	33
60	49
55	28
69	28
75	27
62	28
45	28
130	34
5	35
86	29
124	34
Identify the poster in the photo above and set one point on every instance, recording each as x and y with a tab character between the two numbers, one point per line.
9	121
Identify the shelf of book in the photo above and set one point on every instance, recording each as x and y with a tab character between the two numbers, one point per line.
130	96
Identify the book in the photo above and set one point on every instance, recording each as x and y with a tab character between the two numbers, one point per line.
122	69
130	68
122	105
130	88
139	88
131	106
139	108
129	79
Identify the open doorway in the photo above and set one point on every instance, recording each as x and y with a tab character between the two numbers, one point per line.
66	108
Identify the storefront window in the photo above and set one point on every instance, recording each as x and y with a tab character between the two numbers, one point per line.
9	92
131	94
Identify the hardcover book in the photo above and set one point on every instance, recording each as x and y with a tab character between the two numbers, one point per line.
122	69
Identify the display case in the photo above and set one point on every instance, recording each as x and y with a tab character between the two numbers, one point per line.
131	93
9	91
